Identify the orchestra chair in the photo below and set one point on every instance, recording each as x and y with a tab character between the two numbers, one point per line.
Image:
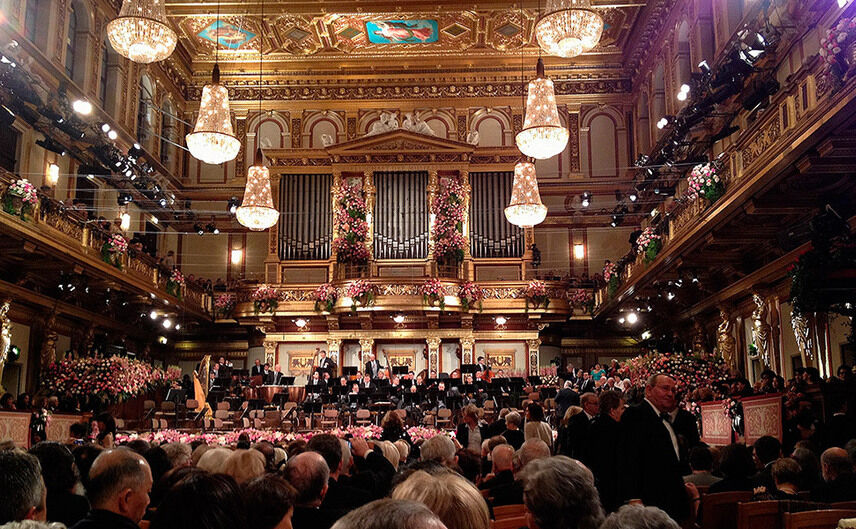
509	511
272	418
148	411
515	522
330	418
245	422
759	515
719	510
222	419
190	406
258	424
363	417
223	405
534	397
428	420
166	411
444	418
489	408
824	519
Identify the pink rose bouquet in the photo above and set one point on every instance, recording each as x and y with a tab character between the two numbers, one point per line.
649	244
433	293
265	299
325	296
361	292
470	294
536	295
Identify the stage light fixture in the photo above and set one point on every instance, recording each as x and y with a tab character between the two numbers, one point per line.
153	315
212	228
105	127
112	134
52	146
177	326
704	67
621	320
167	323
670	296
82	106
162	202
198	229
232	206
585	200
633	196
124	198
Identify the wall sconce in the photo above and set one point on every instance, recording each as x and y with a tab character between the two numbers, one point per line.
126	221
579	252
237	256
500	322
52	175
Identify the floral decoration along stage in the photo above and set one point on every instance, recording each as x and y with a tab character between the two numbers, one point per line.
175	283
689	371
265	299
325	297
20	199
417	433
362	294
111	380
349	221
433	293
611	277
113	249
448	210
224	305
470	295
536	295
704	181
649	244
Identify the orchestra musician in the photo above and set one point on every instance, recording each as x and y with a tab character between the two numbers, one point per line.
480	365
325	363
256	369
276	376
373	367
366	383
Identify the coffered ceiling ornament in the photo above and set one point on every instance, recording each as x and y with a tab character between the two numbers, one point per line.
510	29
236	35
297	35
415	33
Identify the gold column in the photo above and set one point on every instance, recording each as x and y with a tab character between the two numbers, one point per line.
467	345
333	348
534	355
270	351
433	187
371	192
334	190
366	347
273	273
468	191
433	356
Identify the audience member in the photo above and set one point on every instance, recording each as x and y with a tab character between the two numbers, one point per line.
512	431
535	427
309	474
469	433
785	474
391	514
736	466
209	501
244	465
214	460
60	476
269	502
339	495
639	517
767	450
839	481
600	448
22	489
119	484
454	500
559	493
179	454
701	464
439	448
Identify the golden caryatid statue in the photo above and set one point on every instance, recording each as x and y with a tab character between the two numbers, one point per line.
699	339
5	336
761	330
802	333
48	352
725	342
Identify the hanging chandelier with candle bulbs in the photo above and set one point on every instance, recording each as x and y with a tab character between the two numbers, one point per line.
257	211
213	139
543	135
141	32
525	208
568	28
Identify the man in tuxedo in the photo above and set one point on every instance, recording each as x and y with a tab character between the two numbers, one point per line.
373	367
839	481
480	365
257	368
326	363
576	434
565	398
601	448
649	453
277	377
366	384
267	374
586	383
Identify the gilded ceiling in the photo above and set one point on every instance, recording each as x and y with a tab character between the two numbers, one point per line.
360	32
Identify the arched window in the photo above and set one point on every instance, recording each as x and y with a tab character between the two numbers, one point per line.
31	16
144	112
71	42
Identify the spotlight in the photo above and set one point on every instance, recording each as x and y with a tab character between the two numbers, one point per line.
695	278
663	122
586	199
162	340
177	326
632	318
50	145
615	221
198	229
81	106
7	117
684	92
167	323
162	202
232	207
212	228
105	127
621	320
646	335
153	315
670	296
704	67
112	134
124	199
633	196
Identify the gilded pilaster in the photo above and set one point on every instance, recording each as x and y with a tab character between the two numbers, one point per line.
270	351
433	356
467	350
534	353
431	189
333	348
366	347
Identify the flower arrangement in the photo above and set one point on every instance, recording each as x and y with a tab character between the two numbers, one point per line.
361	292
349	221
112	250
689	371
325	296
421	433
834	43
611	276
582	299
224	305
265	299
704	181
161	437
112	380
174	283
470	294
536	295
448	210
433	293
20	198
549	376
649	244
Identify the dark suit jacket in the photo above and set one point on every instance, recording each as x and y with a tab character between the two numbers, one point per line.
66	508
508	494
838	430
586	386
600	454
256	371
842	488
463	434
505	477
344	497
565	398
373	368
514	437
576	433
320	518
686	428
650	468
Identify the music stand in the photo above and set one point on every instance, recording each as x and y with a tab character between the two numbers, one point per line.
534	380
469	368
349	371
286	381
399	370
175	395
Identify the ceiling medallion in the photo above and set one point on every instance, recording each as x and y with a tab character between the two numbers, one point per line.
543	135
569	28
141	32
525	208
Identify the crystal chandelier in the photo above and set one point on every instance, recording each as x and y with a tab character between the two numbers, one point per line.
257	212
141	31
525	208
543	135
212	140
569	28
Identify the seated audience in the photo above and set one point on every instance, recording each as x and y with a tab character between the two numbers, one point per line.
22	489
512	431
767	450
785	473
736	466
454	500
391	514
269	502
559	493
701	464
60	475
639	517
535	427
179	454
439	448
839	481
214	460
119	485
339	495
244	465
209	501
309	474
502	473
810	477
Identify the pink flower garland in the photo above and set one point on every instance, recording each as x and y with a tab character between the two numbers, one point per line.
113	379
448	210
349	220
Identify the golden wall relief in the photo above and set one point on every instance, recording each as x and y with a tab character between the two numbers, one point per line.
499	358
300	362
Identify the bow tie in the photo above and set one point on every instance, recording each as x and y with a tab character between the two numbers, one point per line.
666	417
